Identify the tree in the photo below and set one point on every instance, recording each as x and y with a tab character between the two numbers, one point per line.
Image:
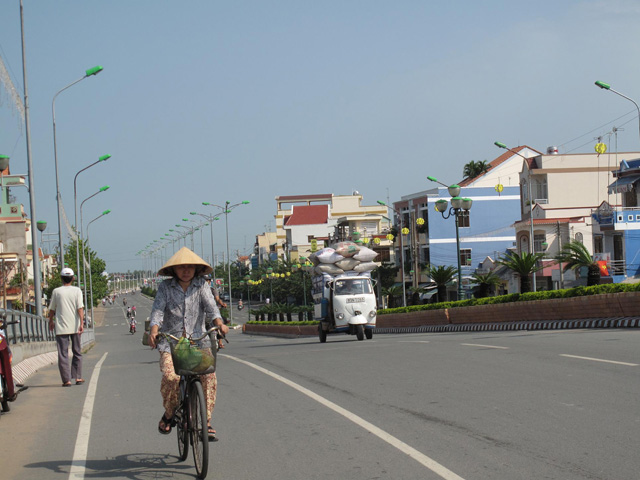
523	264
475	168
486	282
575	255
394	293
97	282
386	273
442	276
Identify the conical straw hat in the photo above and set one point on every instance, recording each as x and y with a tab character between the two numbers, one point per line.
184	256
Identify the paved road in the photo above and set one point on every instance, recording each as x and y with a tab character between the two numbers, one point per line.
486	405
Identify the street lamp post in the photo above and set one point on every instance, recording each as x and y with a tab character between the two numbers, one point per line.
404	287
103	158
531	243
106	212
270	275
606	86
457	204
247	279
84	274
88	73
210	219
37	288
227	210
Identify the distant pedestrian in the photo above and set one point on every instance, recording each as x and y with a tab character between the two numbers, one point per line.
66	316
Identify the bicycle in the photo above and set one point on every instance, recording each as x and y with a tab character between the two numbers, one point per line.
190	418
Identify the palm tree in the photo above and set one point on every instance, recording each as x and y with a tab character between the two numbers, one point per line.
475	168
486	282
415	294
576	255
393	292
442	276
524	265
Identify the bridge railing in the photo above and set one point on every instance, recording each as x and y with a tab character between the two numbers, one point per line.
29	329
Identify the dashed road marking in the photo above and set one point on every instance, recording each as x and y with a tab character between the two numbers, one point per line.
600	360
484	346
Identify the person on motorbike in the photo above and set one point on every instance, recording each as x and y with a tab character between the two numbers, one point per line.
219	302
132	324
183	306
133	311
128	312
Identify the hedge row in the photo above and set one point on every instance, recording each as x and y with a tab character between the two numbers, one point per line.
522	297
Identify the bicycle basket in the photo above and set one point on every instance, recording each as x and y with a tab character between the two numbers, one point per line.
192	358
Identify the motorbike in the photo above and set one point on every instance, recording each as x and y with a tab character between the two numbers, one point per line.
132	328
6	376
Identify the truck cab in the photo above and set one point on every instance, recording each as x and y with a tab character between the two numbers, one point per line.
345	304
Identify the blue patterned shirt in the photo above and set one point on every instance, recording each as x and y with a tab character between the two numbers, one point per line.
176	311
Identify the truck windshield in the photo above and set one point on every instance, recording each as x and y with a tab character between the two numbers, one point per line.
352	287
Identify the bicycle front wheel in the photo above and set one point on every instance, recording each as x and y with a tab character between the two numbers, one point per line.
199	431
182	428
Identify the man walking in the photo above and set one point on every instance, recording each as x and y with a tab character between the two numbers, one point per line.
66	315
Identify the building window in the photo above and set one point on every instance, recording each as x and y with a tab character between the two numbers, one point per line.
465	257
598	246
463	218
539	188
538	240
383	255
578	237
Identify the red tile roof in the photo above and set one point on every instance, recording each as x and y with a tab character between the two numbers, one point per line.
308	215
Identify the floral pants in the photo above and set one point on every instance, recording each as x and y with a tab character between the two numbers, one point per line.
170	386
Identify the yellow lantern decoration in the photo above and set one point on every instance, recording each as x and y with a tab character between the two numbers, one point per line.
376	241
390	237
499	188
600	148
365	241
289	273
420	221
405	231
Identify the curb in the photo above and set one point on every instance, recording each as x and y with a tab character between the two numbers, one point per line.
620	322
29	366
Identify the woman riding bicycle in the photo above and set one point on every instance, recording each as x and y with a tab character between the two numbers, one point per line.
182	306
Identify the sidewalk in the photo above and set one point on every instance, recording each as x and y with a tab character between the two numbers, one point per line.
27	367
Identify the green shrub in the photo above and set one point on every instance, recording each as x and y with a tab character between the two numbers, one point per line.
522	297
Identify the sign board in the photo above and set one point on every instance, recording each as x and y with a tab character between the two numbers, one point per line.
219	281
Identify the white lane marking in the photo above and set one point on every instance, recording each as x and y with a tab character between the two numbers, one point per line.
483	346
79	462
600	360
390	439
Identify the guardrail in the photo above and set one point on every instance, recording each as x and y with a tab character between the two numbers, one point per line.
29	329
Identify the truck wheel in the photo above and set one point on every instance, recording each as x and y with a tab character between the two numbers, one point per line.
368	333
322	334
359	332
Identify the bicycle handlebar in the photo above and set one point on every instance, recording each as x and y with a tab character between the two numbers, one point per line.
205	334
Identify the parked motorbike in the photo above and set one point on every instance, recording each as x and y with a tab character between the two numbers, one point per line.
6	376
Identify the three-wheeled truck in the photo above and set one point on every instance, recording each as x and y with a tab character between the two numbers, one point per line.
344	304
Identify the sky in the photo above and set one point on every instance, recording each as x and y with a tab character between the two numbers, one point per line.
210	101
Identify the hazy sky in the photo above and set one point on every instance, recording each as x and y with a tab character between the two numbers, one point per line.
247	100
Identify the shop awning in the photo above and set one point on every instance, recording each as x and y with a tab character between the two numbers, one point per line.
623	184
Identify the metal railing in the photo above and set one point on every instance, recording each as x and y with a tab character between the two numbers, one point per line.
29	329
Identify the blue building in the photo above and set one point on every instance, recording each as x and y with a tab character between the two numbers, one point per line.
617	236
486	230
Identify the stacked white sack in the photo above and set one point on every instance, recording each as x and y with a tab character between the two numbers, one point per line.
344	258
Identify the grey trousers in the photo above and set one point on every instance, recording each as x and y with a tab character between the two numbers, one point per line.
63	357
